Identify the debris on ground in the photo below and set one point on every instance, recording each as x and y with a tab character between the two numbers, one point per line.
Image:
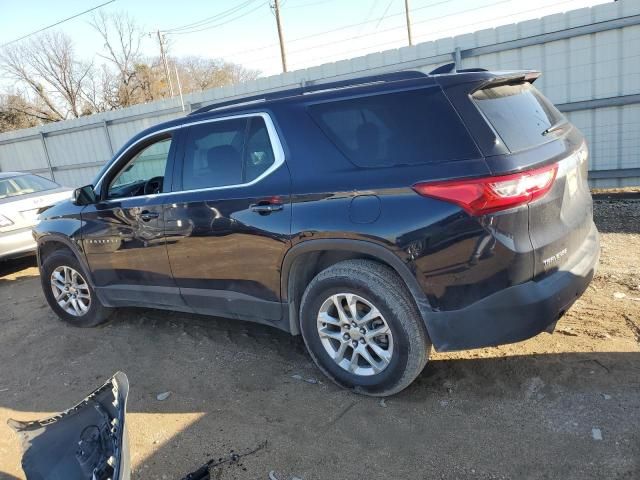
383	404
163	396
596	433
310	380
231	459
273	476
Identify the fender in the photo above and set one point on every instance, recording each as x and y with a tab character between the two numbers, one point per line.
359	246
69	243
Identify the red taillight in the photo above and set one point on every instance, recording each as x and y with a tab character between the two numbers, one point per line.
490	194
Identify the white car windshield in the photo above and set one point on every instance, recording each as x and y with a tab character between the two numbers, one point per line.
24	184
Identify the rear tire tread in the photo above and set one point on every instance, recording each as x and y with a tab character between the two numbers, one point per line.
384	283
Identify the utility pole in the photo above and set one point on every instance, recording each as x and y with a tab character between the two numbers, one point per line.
163	57
283	55
406	12
179	86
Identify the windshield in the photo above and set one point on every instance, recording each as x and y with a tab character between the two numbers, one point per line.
24	184
519	113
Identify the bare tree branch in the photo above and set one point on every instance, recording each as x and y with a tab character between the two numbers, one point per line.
47	66
122	39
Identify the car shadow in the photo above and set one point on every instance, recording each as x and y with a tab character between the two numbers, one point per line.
15	265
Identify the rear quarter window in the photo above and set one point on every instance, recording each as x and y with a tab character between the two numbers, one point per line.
404	128
519	113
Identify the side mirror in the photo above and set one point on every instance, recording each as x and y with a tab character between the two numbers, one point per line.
84	196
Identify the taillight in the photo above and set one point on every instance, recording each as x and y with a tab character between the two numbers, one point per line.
490	194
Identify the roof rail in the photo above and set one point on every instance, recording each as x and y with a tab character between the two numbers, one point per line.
312	87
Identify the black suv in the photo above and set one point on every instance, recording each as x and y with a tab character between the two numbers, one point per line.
376	217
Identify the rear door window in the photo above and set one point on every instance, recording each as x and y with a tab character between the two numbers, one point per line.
213	157
404	128
519	114
226	153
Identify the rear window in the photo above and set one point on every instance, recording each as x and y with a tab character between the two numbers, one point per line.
406	128
519	114
24	184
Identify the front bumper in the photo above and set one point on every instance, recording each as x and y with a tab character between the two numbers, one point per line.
518	312
16	243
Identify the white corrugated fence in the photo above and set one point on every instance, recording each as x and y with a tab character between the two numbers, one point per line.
590	59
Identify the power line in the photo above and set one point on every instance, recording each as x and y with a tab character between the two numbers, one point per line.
310	4
209	27
213	18
390	29
427	34
57	23
371	10
344	27
384	14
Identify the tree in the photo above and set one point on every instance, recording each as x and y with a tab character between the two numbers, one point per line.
122	39
15	113
198	73
47	68
53	84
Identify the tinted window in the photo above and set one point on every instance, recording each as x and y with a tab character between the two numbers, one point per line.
258	151
24	184
519	114
406	128
230	152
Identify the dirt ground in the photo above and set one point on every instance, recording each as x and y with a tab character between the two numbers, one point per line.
565	405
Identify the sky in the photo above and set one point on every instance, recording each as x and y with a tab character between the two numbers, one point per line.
244	31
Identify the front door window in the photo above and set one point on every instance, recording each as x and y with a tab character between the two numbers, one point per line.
144	173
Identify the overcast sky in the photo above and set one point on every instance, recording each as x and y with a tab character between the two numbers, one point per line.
315	31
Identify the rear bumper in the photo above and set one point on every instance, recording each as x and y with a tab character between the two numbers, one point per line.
519	312
16	243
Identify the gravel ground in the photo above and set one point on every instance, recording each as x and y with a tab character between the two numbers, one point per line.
565	405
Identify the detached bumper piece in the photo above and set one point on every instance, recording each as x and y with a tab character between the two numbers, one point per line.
87	441
518	312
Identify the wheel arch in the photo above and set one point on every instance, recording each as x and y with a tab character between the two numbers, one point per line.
305	260
47	244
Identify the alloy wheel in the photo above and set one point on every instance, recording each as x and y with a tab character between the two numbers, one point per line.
354	334
70	291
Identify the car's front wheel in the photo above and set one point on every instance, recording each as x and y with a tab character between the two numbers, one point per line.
68	292
362	328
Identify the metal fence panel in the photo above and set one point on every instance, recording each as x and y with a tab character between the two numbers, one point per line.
590	59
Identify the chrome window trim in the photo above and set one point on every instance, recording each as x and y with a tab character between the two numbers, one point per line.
276	145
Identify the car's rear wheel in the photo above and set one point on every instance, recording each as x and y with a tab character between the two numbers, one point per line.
68	292
362	328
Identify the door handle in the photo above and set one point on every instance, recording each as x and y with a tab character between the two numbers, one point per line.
266	208
146	215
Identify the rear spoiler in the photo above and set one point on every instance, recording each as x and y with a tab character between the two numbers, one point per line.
477	78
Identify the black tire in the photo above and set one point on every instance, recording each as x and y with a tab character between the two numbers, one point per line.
383	288
96	313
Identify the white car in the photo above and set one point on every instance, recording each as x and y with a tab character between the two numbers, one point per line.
22	197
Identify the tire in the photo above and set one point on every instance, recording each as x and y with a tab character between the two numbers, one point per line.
398	358
90	312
